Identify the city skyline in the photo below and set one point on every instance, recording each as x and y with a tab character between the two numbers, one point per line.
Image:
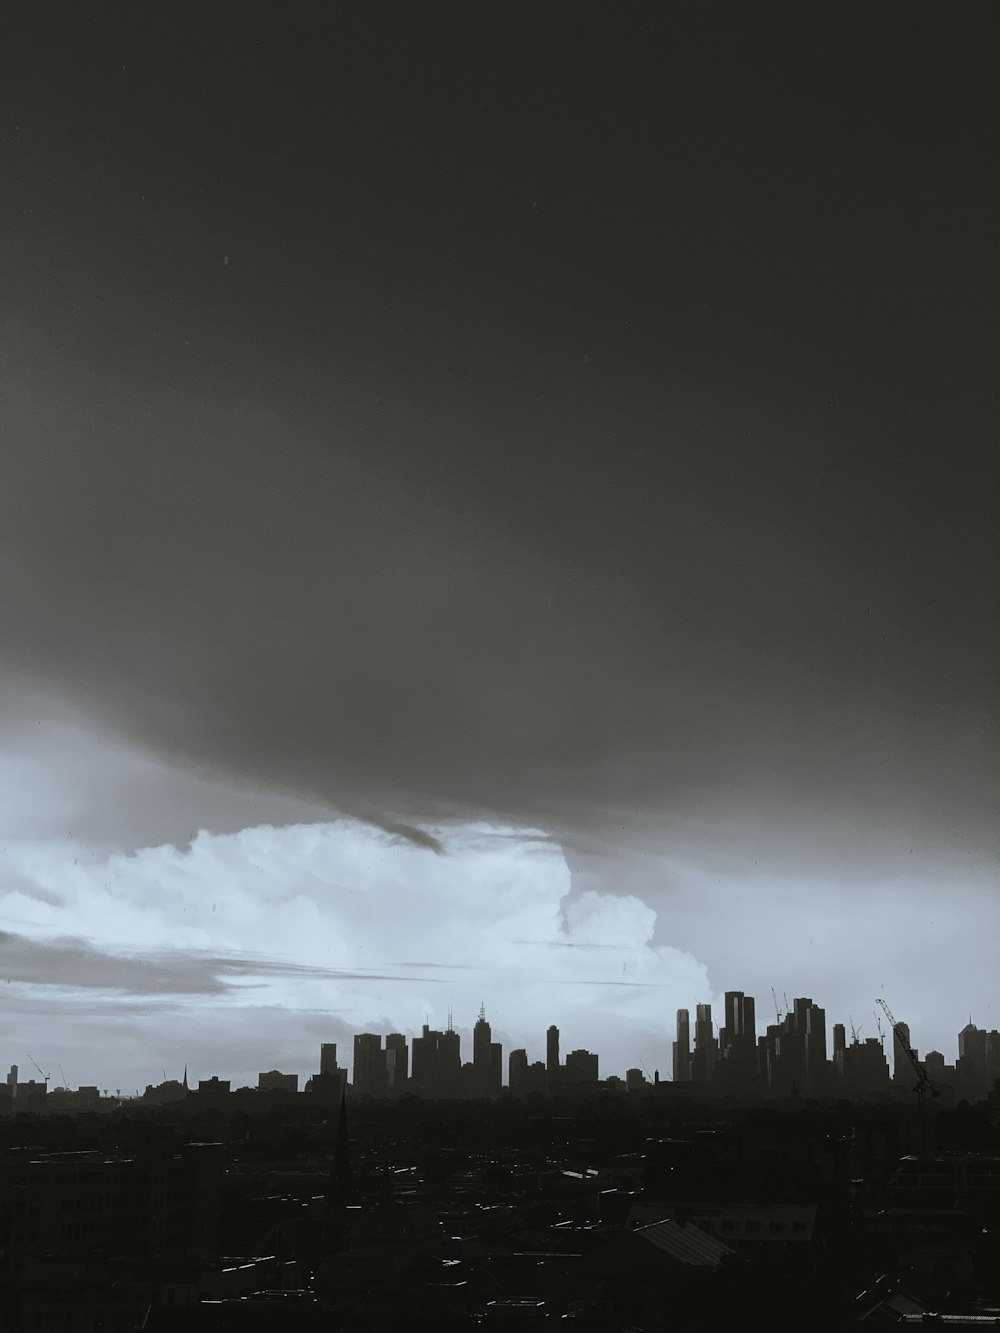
738	1054
494	504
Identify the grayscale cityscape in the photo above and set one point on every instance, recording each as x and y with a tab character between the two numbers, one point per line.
499	542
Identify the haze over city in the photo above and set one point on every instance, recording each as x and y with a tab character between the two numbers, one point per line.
495	507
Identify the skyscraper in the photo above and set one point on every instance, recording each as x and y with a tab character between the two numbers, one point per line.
328	1057
682	1048
369	1065
396	1063
706	1047
581	1067
839	1046
517	1072
487	1058
552	1049
738	1042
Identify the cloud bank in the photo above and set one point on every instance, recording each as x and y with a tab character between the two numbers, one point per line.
343	919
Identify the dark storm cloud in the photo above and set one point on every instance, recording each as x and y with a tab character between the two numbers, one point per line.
553	422
75	964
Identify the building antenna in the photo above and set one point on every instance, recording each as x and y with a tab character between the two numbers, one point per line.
449	1019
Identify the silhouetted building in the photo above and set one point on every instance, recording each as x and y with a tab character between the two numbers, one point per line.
436	1063
328	1057
970	1067
487	1059
369	1065
992	1056
902	1070
397	1063
517	1072
274	1081
581	1067
866	1069
160	1095
737	1062
682	1048
839	1046
552	1049
706	1046
211	1090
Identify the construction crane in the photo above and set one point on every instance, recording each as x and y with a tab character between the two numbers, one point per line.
45	1076
64	1078
923	1084
777	1011
855	1032
881	1034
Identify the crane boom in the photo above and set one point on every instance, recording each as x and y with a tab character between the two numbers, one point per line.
924	1083
45	1076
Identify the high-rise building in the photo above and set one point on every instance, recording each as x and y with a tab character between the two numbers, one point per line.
581	1067
328	1057
682	1048
436	1063
482	1037
902	1070
738	1042
706	1046
815	1048
552	1049
865	1067
487	1058
396	1063
839	1046
517	1072
992	1057
970	1067
369	1065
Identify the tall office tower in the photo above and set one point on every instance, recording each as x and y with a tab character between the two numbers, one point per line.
738	1041
496	1067
450	1057
328	1057
815	1051
481	1037
839	1046
865	1067
487	1058
970	1067
396	1063
552	1049
803	1046
935	1066
706	1046
902	1070
369	1065
992	1057
734	1014
517	1072
682	1048
581	1067
436	1063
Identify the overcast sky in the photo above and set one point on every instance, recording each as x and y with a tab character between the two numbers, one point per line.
497	504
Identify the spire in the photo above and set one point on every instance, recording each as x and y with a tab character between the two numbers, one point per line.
482	1011
449	1019
185	1078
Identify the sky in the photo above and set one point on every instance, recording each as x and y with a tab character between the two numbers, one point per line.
497	505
